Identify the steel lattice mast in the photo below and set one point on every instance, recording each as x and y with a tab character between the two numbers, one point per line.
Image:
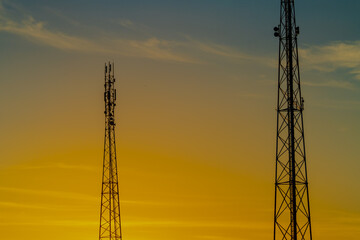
292	208
110	225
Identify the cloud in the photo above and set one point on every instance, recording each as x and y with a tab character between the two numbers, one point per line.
331	84
186	50
212	237
333	56
56	166
26	206
62	223
36	31
54	194
148	223
59	207
89	198
198	224
339	221
229	52
154	48
126	23
338	104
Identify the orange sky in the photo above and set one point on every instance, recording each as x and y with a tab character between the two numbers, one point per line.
195	117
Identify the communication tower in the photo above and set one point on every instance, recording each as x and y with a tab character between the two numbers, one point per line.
110	224
292	208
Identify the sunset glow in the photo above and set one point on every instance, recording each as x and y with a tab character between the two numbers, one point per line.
195	117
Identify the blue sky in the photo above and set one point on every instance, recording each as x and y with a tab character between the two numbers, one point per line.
197	86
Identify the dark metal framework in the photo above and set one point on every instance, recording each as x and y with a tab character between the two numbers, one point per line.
292	208
110	224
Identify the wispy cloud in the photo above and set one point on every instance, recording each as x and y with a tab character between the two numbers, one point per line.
55	166
148	223
338	221
57	207
338	104
212	237
229	52
200	224
126	23
36	31
153	48
54	194
25	206
89	198
63	223
333	56
186	50
331	84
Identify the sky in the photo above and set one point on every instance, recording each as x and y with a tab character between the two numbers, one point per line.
195	114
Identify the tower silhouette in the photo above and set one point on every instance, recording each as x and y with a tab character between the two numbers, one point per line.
110	224
292	208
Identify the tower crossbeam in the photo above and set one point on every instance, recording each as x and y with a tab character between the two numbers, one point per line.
110	224
292	205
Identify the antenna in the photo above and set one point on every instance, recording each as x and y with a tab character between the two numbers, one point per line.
292	205
110	224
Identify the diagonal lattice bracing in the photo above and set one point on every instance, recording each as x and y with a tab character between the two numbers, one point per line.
292	209
110	224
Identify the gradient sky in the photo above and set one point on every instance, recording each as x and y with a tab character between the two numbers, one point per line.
196	120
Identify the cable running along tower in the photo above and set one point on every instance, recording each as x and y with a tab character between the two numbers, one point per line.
110	225
292	208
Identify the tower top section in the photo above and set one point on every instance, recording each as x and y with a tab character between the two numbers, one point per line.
110	93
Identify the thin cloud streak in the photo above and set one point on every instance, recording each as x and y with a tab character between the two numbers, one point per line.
326	58
333	56
199	224
126	23
54	194
65	223
331	84
59	207
36	31
186	51
84	197
229	52
150	223
338	104
25	206
212	237
341	222
55	166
